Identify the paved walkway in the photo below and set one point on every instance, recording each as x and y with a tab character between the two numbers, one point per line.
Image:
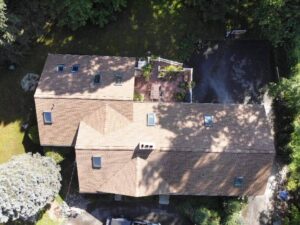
260	207
84	218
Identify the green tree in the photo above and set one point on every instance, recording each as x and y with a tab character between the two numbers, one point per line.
278	19
28	182
210	10
77	13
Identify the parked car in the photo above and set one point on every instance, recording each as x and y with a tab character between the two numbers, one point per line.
123	221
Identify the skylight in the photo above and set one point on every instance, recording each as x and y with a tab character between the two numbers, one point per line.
75	68
96	162
208	120
118	79
151	119
97	79
47	117
238	182
60	67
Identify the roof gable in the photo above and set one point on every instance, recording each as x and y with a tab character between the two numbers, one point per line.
106	120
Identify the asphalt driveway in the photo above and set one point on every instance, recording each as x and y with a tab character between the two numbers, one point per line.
94	210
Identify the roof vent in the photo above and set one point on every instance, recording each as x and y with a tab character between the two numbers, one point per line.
47	117
97	79
151	119
60	67
208	120
238	182
75	68
96	162
118	79
146	146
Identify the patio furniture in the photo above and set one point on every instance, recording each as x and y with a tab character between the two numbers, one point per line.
155	92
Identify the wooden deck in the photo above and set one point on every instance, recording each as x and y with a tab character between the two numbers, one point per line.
159	89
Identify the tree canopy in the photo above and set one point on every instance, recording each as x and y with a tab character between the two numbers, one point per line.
77	13
28	182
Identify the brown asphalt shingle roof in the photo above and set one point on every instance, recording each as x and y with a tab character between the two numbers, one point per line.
54	84
189	159
236	128
182	173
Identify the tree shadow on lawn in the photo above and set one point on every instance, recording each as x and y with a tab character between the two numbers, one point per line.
156	26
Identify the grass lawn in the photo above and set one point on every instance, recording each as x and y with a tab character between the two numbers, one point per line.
10	140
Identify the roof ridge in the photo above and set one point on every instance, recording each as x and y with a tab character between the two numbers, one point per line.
107	107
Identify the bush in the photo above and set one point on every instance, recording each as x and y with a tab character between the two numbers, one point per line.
201	210
294	215
138	97
204	216
179	96
56	155
147	70
233	205
232	211
33	134
28	182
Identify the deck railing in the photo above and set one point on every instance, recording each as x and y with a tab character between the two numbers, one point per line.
159	59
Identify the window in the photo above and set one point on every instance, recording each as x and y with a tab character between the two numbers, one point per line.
75	68
151	119
60	67
96	162
238	182
47	117
97	79
118	79
208	120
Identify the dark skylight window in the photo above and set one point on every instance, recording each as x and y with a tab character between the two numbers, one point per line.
238	182
75	68
97	79
96	162
208	120
151	119
60	67
118	79
47	117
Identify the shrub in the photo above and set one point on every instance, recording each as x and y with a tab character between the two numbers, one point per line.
179	96
232	211
147	70
169	71
138	97
28	182
172	68
205	216
201	210
56	155
33	134
294	215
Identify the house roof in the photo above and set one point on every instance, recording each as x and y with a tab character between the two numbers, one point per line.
67	114
182	173
179	127
80	85
188	159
